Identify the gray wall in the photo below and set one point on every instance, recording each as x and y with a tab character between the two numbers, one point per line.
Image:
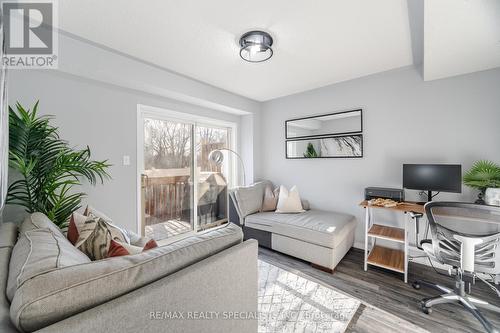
103	117
406	120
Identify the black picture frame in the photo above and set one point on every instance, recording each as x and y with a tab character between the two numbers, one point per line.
321	138
287	137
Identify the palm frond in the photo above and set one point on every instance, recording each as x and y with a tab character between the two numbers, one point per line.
482	175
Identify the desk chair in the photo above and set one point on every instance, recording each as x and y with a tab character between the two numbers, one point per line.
470	255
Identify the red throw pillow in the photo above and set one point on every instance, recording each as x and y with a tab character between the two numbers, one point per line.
117	249
72	231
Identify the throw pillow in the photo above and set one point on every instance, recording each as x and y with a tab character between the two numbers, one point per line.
91	211
76	223
117	248
270	199
249	198
95	237
305	204
289	201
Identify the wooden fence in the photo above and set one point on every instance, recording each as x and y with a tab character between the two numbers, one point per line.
167	196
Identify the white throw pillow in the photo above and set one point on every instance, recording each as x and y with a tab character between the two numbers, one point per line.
289	201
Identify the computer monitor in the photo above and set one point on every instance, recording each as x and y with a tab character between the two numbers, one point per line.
433	177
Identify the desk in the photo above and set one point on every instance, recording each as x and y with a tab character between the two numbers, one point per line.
388	258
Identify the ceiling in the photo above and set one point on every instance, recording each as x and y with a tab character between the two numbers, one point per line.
461	37
317	43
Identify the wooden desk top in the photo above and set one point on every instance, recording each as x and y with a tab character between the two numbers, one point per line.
402	206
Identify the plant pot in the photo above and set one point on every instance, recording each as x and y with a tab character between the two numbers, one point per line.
492	196
480	197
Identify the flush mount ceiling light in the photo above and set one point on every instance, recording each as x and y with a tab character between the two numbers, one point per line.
256	46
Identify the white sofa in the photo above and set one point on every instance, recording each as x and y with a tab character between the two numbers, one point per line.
320	237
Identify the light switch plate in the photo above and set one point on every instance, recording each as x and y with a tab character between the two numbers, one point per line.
126	160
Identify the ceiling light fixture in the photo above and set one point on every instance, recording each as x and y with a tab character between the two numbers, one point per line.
256	46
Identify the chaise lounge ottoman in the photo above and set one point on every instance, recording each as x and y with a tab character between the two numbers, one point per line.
320	237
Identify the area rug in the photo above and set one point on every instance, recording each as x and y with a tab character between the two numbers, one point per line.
292	303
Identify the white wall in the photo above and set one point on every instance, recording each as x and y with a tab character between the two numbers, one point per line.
406	120
94	97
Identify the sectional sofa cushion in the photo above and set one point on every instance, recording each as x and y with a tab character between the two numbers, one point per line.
50	297
314	226
249	198
8	237
38	221
39	251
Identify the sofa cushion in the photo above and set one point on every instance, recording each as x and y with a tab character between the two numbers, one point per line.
314	226
58	294
38	221
249	198
38	251
8	237
8	234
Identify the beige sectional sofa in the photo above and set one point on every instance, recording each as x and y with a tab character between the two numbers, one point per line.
50	286
320	237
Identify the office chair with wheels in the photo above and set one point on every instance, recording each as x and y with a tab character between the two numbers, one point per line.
471	255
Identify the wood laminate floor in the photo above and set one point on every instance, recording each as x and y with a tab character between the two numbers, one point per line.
390	305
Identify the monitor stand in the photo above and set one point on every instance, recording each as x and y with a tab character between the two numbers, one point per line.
429	198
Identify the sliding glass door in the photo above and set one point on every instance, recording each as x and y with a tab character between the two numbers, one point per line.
212	203
167	186
180	190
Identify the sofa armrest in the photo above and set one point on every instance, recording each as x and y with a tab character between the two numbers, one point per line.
221	286
60	293
234	213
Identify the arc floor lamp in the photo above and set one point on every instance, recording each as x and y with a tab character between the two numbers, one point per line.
217	157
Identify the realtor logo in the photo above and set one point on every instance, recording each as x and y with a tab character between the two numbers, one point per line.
30	34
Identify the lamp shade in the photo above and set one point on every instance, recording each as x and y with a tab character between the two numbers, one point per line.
216	157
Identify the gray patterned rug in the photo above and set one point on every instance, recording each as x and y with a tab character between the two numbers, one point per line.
292	303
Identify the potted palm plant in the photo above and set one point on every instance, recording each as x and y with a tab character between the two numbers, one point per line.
49	169
483	176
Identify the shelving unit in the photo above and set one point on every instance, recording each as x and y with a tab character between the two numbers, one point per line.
387	233
385	257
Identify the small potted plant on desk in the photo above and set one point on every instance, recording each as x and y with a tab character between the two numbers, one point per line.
485	177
